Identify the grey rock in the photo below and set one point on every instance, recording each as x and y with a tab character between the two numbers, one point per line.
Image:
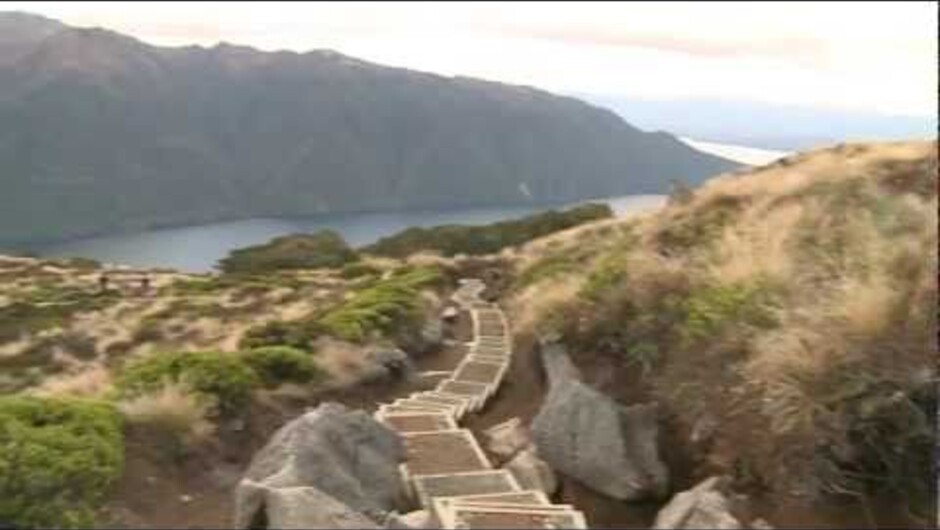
297	507
704	506
433	331
532	472
391	360
341	453
419	519
760	524
506	439
586	435
703	429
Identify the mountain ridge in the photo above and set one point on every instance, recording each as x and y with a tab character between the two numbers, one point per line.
101	132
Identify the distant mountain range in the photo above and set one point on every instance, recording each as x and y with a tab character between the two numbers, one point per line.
100	132
764	125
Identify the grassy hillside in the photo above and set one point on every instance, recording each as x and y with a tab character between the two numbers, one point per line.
174	364
785	317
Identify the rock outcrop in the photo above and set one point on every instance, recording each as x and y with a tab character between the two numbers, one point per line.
532	472
704	506
586	435
297	507
343	457
506	439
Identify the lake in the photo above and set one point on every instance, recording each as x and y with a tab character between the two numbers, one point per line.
197	248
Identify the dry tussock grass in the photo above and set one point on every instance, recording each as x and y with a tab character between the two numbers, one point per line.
531	308
839	246
345	363
175	410
94	381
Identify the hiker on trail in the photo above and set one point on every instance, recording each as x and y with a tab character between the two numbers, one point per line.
145	284
449	315
103	282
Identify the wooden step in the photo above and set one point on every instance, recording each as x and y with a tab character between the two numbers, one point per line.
502	360
453	399
512	498
480	372
439	452
440	407
458	408
418	422
387	408
455	517
478	391
493	351
427	487
524	497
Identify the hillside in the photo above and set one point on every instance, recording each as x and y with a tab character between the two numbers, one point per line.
781	321
784	319
100	132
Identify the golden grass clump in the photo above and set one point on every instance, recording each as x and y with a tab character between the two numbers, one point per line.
796	302
174	410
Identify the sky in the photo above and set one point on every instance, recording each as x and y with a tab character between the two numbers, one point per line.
863	56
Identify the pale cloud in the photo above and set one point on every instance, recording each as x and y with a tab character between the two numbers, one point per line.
876	56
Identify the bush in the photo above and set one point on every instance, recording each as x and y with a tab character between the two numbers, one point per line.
709	309
450	240
82	264
225	378
27	316
299	335
275	365
173	411
325	248
149	330
357	270
58	457
389	306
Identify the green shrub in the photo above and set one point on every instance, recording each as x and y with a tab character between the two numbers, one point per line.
606	274
297	335
199	285
325	248
358	270
58	458
475	240
711	308
390	306
149	330
699	227
280	364
47	308
225	378
82	264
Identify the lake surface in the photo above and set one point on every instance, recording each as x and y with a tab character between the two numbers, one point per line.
198	248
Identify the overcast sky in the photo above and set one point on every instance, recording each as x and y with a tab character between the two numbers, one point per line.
870	56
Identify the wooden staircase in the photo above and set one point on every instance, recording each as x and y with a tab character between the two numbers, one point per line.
446	471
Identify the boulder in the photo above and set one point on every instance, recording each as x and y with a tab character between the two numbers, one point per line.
296	507
506	439
532	472
344	454
416	520
704	506
587	436
388	362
